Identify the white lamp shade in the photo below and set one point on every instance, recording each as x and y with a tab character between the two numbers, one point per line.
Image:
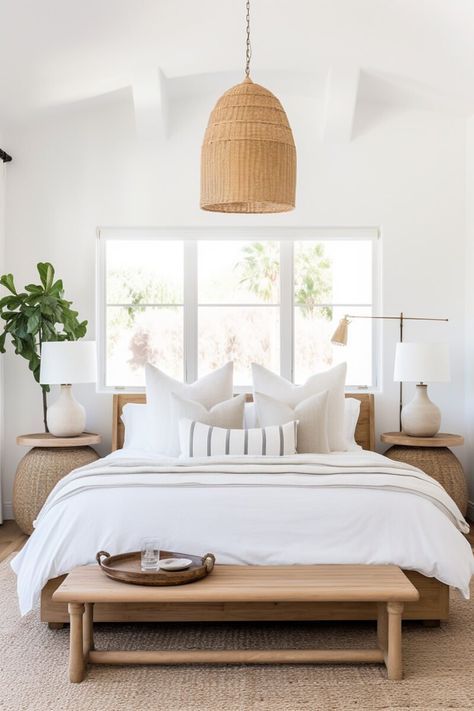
66	362
422	362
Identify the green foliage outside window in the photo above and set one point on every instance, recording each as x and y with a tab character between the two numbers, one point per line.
260	270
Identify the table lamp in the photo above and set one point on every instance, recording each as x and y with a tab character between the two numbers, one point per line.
64	363
339	337
421	363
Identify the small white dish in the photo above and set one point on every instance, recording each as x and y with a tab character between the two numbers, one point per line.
175	563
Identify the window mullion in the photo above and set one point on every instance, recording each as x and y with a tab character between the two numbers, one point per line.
190	315
286	310
376	324
101	310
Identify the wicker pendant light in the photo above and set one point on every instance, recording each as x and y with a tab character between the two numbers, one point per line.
248	158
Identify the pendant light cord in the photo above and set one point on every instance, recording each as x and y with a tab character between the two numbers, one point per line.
248	46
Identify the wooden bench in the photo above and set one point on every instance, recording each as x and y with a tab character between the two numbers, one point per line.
305	584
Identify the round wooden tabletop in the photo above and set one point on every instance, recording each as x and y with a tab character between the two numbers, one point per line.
442	439
45	439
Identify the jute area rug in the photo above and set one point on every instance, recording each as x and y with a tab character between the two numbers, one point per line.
33	667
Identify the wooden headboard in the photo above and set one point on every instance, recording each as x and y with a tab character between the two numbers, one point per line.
364	435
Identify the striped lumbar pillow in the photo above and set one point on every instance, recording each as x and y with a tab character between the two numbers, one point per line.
199	440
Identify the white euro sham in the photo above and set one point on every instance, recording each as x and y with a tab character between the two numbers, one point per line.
333	380
208	391
137	424
351	418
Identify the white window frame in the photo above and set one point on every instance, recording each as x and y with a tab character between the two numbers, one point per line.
190	236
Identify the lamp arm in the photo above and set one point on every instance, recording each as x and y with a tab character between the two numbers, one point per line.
397	318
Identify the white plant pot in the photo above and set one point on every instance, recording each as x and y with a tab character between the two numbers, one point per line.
66	417
421	417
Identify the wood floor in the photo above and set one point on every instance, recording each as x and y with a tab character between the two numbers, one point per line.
11	539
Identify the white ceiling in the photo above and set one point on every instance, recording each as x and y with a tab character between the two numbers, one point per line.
53	52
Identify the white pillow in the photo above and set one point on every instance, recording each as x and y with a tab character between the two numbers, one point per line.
137	435
333	380
200	440
250	415
208	391
136	422
351	417
312	416
229	413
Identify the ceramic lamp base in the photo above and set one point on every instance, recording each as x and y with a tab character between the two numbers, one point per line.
66	417
421	417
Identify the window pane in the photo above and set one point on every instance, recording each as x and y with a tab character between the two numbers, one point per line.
313	275
333	278
351	271
241	334
238	272
333	272
144	272
314	351
136	336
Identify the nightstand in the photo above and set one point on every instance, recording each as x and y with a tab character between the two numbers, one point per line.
433	456
49	460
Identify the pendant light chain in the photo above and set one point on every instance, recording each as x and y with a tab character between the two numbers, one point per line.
248	47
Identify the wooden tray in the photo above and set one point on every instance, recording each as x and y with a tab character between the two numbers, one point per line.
126	568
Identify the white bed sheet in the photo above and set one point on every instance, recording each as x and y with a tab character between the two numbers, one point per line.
258	518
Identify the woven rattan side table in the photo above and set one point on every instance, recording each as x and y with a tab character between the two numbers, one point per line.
49	460
433	456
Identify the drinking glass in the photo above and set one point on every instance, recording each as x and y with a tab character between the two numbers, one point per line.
150	558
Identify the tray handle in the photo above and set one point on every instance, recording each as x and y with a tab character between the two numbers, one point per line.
100	555
208	562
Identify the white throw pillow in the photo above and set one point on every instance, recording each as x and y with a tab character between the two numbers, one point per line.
229	413
351	417
311	414
208	391
200	440
333	380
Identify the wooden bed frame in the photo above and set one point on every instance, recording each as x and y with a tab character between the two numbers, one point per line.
432	606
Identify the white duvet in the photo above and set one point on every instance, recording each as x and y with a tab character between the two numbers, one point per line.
332	508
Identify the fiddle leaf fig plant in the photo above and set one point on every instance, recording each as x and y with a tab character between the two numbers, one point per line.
39	313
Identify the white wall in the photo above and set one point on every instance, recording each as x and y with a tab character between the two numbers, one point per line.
2	264
469	295
80	167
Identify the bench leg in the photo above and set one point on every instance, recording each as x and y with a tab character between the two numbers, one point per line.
382	627
393	658
88	629
76	652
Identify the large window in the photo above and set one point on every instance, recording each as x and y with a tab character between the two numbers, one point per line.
190	301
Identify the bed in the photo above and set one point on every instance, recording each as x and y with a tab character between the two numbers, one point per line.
91	511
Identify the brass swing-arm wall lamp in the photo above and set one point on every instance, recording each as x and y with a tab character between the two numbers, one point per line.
340	335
